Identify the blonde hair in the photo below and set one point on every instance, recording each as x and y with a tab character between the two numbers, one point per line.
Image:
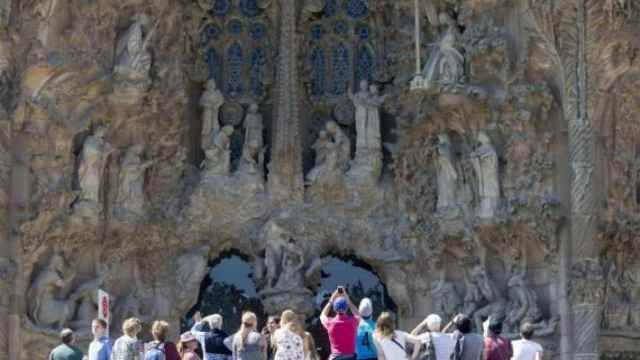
159	330
249	324
132	326
385	325
289	319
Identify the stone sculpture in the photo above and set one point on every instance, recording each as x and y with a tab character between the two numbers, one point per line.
368	159
133	62
130	198
211	101
485	163
93	161
446	300
218	156
333	149
252	161
191	268
447	176
49	308
483	298
445	66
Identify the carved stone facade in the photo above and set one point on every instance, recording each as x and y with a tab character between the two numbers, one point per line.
480	156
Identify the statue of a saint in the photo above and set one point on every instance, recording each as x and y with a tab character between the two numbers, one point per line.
447	175
218	156
342	143
132	175
211	101
446	64
93	161
360	102
252	151
483	298
485	163
133	58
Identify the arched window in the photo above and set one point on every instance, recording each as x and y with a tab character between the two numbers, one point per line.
317	71
341	69
234	86
364	64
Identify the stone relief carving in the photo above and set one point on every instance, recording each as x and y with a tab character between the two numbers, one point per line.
96	152
445	66
131	195
133	61
367	163
211	101
218	156
485	163
252	161
51	306
333	151
447	302
587	282
447	176
483	298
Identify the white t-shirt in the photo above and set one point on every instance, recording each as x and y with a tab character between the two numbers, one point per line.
443	344
394	349
525	349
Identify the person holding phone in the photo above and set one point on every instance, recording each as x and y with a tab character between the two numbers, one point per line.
342	328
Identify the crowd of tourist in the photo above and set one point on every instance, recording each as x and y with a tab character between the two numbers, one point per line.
353	335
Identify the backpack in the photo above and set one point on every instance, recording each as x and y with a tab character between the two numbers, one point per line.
427	350
154	351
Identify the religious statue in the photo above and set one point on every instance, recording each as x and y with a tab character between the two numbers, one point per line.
342	143
93	161
447	301
252	160
485	162
211	101
483	298
133	62
368	158
218	156
49	305
333	149
447	175
445	65
132	176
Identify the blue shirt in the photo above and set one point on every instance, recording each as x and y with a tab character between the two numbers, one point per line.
365	349
100	348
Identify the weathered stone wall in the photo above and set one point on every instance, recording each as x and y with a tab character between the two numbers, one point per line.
140	139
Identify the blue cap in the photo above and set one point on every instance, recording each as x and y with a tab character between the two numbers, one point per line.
340	305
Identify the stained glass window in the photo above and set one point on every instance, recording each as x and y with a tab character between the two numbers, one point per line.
213	64
258	60
341	69
356	8
364	65
234	70
317	69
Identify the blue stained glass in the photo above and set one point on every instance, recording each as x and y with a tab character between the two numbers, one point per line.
235	26
220	7
340	27
234	70
362	31
316	32
210	32
356	8
317	71
330	8
258	60
213	64
364	65
249	8
341	69
257	31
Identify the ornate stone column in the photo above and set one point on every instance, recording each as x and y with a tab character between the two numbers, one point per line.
285	168
586	285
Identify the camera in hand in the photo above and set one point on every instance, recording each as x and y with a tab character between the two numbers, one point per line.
340	289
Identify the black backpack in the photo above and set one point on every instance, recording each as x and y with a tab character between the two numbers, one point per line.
427	350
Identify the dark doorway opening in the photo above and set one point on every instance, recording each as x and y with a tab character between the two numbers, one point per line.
229	290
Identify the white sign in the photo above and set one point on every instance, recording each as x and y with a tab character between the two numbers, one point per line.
104	307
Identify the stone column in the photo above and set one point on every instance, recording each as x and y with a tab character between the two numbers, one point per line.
285	168
586	286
